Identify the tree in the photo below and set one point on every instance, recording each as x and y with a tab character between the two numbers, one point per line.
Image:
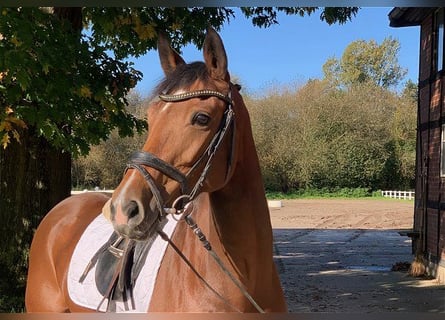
319	137
62	91
403	137
104	165
366	61
267	16
273	125
358	132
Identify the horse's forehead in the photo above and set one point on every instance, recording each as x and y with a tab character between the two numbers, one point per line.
210	84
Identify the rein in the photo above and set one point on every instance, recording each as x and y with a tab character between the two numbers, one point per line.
183	205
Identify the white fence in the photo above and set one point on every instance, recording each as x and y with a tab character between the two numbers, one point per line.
405	195
73	192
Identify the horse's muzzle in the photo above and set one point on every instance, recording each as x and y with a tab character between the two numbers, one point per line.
131	219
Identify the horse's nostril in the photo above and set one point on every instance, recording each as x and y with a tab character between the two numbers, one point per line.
134	214
132	209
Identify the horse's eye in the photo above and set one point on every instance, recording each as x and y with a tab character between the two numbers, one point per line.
201	119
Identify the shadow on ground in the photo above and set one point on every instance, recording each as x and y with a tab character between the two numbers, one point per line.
349	270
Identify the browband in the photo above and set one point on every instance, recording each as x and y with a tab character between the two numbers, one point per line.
194	94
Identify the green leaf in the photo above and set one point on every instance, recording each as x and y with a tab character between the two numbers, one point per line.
23	79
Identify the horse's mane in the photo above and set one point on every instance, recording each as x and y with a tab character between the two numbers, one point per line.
182	78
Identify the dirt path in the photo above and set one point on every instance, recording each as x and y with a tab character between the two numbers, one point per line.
343	214
336	256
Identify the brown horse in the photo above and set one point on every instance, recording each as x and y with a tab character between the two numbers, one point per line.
200	161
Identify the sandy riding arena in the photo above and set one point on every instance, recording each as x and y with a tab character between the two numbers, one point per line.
348	256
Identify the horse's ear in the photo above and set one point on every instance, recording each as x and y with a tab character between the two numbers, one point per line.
170	59
215	55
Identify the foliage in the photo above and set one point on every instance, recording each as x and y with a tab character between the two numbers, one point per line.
73	93
267	16
347	130
11	298
325	193
50	74
366	61
319	137
404	137
104	165
133	31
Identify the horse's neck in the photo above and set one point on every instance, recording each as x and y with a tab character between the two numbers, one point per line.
240	218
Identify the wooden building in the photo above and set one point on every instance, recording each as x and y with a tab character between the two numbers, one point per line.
429	210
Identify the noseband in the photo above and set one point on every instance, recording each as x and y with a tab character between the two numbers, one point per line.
140	159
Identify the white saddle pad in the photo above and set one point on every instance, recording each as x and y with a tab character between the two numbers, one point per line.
95	235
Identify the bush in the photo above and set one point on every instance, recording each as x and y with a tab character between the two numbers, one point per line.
324	193
316	136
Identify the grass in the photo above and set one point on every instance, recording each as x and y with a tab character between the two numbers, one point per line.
342	193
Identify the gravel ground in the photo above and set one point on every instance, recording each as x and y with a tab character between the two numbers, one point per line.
338	256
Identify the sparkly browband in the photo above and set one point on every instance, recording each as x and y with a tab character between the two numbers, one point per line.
194	94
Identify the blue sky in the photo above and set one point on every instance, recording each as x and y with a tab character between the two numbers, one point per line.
293	51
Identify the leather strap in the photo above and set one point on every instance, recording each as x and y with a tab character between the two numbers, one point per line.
148	159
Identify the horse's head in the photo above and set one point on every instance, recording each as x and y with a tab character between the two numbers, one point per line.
191	142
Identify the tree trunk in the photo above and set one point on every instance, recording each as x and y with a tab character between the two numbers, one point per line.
34	177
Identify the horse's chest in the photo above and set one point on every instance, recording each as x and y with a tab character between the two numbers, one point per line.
193	283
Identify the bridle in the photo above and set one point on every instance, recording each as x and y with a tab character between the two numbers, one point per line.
140	159
183	205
